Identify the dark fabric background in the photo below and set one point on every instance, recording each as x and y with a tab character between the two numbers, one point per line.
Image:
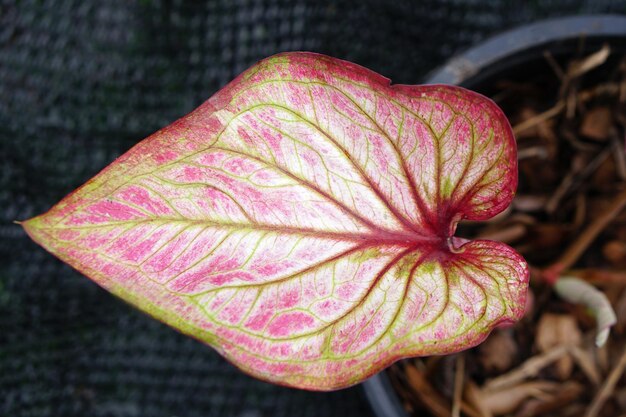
83	81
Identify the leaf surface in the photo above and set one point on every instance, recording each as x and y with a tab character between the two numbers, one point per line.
301	222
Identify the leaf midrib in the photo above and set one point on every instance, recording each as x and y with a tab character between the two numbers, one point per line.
374	238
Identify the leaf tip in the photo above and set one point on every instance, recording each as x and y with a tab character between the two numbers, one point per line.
29	224
33	228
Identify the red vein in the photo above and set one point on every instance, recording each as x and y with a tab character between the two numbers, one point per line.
401	302
344	315
290	276
371	225
373	186
403	165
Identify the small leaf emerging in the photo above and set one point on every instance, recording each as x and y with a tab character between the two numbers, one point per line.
578	291
301	221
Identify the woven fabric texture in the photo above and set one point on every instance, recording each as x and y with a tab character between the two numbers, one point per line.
83	81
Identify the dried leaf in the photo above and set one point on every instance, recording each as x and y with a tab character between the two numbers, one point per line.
499	352
558	330
597	123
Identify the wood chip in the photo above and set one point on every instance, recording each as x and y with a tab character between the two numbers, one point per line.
582	242
619	154
586	363
533	152
458	385
597	123
530	203
508	234
598	276
614	251
620	312
607	388
578	68
533	121
473	396
528	369
576	176
565	394
427	394
558	71
508	399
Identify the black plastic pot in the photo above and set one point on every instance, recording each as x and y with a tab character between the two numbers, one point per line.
502	56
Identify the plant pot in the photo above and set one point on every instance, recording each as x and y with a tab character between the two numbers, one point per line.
516	54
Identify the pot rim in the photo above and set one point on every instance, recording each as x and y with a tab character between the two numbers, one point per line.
469	68
525	39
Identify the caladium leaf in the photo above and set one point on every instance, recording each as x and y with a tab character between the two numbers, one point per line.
301	222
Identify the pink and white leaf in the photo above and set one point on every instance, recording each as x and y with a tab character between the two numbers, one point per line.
301	222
